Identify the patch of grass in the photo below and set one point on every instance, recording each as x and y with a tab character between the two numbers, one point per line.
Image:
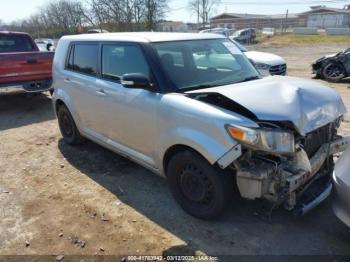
289	39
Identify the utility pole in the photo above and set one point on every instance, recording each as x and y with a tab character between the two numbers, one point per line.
286	21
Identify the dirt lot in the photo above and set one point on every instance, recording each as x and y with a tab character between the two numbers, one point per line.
58	199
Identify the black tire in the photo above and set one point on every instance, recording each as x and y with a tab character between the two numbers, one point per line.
333	72
67	126
201	189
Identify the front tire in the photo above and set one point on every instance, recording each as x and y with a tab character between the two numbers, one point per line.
333	72
67	126
201	189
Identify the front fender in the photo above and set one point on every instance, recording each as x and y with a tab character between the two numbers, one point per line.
211	148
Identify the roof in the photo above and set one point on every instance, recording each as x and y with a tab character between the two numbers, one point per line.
237	15
13	33
253	16
141	37
326	9
170	23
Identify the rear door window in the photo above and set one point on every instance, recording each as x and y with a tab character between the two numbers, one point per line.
83	58
120	59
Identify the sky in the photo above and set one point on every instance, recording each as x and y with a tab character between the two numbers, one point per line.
18	9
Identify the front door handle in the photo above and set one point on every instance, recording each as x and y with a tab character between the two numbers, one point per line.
67	80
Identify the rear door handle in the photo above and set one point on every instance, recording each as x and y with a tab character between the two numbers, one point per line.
101	92
67	80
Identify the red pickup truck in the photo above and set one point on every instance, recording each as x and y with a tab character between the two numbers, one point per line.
22	66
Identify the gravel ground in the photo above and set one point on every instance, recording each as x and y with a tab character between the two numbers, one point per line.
58	199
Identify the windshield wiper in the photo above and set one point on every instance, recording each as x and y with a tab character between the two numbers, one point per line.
191	88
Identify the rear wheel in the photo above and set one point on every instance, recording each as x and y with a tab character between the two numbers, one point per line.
201	189
333	72
67	126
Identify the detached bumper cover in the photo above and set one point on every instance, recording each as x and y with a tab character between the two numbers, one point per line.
319	191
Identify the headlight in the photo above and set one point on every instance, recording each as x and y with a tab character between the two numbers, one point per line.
269	140
262	66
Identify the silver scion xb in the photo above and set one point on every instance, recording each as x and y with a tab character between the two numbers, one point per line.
191	107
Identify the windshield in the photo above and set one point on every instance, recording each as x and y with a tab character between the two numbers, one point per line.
199	64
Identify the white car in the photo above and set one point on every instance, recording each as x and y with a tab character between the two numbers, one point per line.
266	63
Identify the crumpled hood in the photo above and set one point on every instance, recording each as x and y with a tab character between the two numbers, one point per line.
307	104
265	58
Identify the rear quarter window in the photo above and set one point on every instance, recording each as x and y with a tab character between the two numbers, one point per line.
83	58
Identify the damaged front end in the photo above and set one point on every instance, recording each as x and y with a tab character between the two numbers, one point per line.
287	155
299	180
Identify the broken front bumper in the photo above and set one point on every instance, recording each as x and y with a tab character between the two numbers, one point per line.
315	188
297	182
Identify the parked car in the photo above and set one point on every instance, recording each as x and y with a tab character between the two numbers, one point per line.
333	67
23	68
266	63
45	44
97	31
192	107
341	181
268	31
218	30
247	35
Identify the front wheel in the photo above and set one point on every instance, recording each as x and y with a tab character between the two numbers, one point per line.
333	72
201	189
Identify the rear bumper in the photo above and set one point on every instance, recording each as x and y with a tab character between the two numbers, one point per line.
26	87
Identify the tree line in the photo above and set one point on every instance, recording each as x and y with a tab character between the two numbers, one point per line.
60	17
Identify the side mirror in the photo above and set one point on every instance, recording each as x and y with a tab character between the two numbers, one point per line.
136	80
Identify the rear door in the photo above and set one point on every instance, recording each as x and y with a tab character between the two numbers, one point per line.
80	82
